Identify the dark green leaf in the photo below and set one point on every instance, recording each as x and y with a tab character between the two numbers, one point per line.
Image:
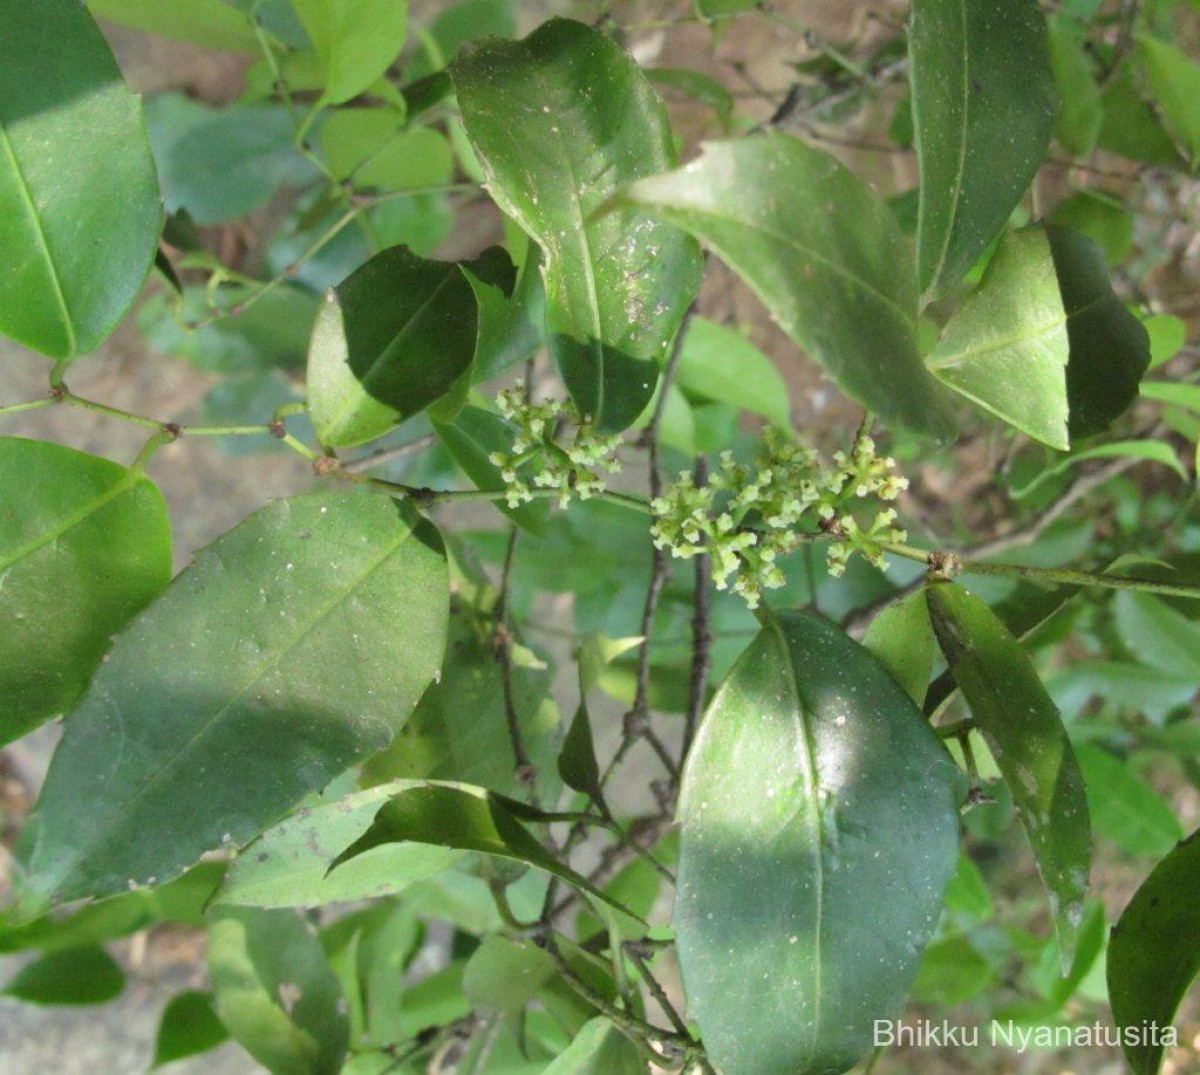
1110	350
189	1026
598	1049
1153	955
983	106
560	121
212	24
275	993
471	438
70	976
814	785
1080	112
356	40
469	819
1130	126
1123	807
288	865
294	646
391	339
577	763
823	253
1026	737
1006	346
71	137
510	336
901	639
699	87
467	20
93	534
1173	79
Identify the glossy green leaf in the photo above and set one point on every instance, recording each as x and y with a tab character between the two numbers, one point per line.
1080	112
471	438
356	40
86	975
71	134
901	639
203	729
984	103
560	120
1006	346
469	819
1110	350
212	24
189	1026
823	253
391	339
95	535
288	865
1023	730
459	730
1123	807
1173	78
719	363
275	993
1158	635
814	785
598	1049
1153	954
505	975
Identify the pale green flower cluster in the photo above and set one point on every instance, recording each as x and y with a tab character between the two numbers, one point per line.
747	517
537	457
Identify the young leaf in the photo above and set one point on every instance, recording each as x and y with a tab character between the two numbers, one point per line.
71	137
212	24
560	120
901	639
85	975
1110	350
392	338
1173	78
814	784
1026	737
823	253
275	992
598	1049
188	1026
1125	808
356	40
95	535
288	865
1153	955
469	819
294	646
1006	346
984	102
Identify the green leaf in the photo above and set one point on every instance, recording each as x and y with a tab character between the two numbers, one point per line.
71	135
814	785
505	975
469	819
1099	217
1080	112
86	975
699	87
719	363
95	535
189	1026
392	338
901	639
288	865
212	24
823	253
1167	335
560	120
294	646
598	1049
1173	79
369	147
983	107
1152	451
952	972
275	993
1131	127
1124	808
1110	350
471	438
356	40
1006	347
1153	955
1157	635
1023	730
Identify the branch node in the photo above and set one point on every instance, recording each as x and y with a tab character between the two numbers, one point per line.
326	464
277	428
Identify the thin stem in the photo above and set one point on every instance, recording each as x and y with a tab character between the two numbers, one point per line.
702	636
31	405
636	955
226	431
503	643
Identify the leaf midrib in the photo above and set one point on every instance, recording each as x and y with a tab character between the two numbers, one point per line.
42	242
996	343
